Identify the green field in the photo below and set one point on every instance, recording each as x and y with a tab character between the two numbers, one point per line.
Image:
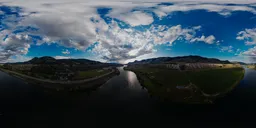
216	81
164	82
89	74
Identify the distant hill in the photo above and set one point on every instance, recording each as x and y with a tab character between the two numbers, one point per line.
180	59
242	63
51	60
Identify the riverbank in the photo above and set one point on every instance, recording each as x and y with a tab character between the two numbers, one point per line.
65	85
200	86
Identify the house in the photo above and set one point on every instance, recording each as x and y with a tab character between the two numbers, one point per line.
173	66
22	67
107	68
64	74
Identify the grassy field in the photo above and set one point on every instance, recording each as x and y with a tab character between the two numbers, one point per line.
216	81
164	82
89	74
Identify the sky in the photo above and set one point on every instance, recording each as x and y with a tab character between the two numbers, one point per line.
127	30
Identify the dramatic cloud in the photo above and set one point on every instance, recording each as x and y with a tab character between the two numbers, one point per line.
70	30
78	24
116	44
221	9
14	45
135	18
248	35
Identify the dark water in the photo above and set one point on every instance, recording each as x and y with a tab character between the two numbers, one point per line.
121	97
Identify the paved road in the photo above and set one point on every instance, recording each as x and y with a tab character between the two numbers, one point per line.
56	81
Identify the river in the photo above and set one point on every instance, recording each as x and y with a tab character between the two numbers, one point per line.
122	96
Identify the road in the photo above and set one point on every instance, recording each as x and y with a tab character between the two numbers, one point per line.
56	81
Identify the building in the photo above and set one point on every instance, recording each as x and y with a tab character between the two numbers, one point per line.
64	74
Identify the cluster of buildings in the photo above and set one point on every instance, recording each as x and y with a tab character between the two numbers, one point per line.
19	67
186	66
194	66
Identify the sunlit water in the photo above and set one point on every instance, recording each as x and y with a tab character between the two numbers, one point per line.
120	96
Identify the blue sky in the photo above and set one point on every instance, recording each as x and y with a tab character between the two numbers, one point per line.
124	31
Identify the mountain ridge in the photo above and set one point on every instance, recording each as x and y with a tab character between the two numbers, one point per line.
51	60
180	59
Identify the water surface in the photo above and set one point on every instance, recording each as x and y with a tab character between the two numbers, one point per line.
122	96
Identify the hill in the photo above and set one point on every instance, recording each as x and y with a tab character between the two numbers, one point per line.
242	63
51	60
180	59
47	60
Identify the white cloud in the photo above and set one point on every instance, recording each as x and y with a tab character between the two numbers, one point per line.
62	57
66	52
227	49
222	9
248	35
250	52
135	18
209	40
116	44
18	58
14	45
77	24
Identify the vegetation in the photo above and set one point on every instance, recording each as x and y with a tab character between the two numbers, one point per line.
188	86
216	81
180	59
89	74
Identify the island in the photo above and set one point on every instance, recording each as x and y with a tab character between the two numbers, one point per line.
62	74
187	79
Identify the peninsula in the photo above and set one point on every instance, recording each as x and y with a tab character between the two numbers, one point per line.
189	79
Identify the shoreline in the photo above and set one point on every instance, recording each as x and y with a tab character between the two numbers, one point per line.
65	85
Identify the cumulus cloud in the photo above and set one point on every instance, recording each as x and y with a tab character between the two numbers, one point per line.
135	18
163	10
209	40
248	35
66	52
250	52
70	30
117	44
14	45
17	58
77	24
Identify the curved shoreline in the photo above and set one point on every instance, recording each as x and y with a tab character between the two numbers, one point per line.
65	85
206	95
